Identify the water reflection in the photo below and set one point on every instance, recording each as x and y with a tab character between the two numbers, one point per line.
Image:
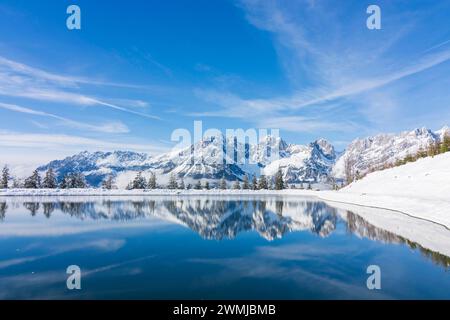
219	219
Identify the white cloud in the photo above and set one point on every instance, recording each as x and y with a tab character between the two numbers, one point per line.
33	140
20	80
305	124
338	66
108	127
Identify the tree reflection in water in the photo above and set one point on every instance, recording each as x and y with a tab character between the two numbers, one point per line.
224	219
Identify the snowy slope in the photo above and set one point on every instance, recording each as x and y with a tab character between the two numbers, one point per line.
421	189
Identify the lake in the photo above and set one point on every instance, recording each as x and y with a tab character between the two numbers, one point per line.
216	248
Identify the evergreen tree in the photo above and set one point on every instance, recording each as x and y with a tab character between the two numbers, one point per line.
309	186
445	145
262	183
182	186
49	181
152	181
65	182
172	182
245	184
4	178
207	185
433	149
236	185
279	182
302	187
108	183
17	183
129	186
222	184
34	181
78	181
138	182
198	185
254	183
3	208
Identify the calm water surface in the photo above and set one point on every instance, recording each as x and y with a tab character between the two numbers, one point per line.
208	248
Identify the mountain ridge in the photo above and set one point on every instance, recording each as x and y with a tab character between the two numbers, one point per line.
316	162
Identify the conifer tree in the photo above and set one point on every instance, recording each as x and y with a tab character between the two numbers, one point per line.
279	182
34	181
4	180
222	184
254	183
138	182
445	145
182	186
78	181
236	185
207	185
49	181
172	182
152	181
262	183
17	183
65	182
245	184
198	185
108	183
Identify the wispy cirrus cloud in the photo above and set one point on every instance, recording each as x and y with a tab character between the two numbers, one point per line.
328	61
13	139
32	73
307	124
23	81
108	127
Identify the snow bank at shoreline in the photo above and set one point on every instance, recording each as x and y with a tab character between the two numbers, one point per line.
155	192
434	210
420	189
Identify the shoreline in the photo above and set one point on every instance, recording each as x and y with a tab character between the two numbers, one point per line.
428	209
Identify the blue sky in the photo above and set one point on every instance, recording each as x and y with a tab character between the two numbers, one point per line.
137	70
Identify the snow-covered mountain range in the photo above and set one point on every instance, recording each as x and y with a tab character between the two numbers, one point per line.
317	162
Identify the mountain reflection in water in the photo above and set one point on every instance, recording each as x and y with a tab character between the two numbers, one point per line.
218	219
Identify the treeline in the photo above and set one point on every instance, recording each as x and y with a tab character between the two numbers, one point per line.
49	181
174	183
78	181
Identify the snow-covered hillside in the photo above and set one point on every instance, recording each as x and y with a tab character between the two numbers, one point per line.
421	189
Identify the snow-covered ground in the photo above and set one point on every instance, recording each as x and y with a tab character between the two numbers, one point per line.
420	189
